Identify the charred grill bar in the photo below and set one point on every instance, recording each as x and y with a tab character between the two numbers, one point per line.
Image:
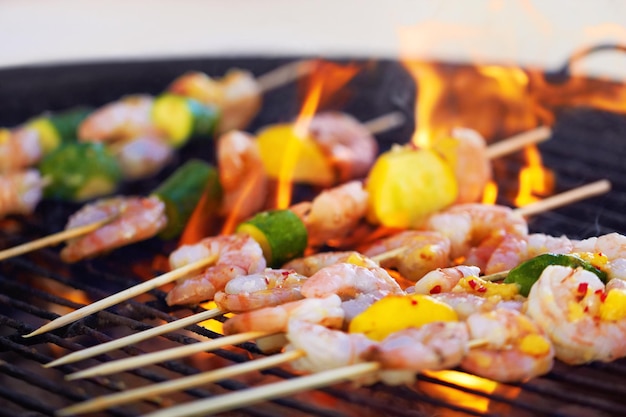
587	145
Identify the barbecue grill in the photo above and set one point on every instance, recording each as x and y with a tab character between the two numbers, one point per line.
587	145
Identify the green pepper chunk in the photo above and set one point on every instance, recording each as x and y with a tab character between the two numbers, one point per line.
527	273
80	171
182	191
281	234
57	128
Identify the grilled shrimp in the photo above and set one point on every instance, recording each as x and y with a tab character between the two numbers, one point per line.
19	148
126	118
584	320
237	95
142	156
539	243
433	346
465	151
242	176
268	288
348	281
444	279
516	349
326	312
499	252
138	218
423	251
610	250
468	225
326	348
238	254
20	192
348	145
334	213
309	265
466	304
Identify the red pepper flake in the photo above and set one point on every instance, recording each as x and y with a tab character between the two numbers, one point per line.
414	302
286	273
436	289
586	310
603	296
582	287
481	289
472	284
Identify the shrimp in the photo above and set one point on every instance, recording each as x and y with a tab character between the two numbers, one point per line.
349	146
466	304
326	312
242	176
610	251
142	156
499	252
467	225
334	213
466	152
584	320
126	118
309	265
238	254
444	279
19	149
268	288
20	192
326	348
349	280
433	346
423	251
138	218
539	243
516	348
237	95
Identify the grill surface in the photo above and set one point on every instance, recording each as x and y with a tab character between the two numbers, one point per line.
35	288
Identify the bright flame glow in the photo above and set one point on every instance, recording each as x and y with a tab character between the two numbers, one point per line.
452	395
490	193
534	179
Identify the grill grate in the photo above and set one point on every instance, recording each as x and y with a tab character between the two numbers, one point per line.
35	288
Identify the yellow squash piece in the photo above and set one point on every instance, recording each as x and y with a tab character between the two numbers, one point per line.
396	312
406	185
286	154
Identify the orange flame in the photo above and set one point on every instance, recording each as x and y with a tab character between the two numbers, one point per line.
323	84
534	179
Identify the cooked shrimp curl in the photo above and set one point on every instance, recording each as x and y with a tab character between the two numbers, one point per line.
516	348
134	219
238	255
585	320
20	192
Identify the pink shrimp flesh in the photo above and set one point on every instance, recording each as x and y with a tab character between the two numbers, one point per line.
20	192
334	213
349	281
309	265
237	255
242	176
20	148
568	304
468	225
142	156
610	247
350	147
516	348
444	279
126	118
326	312
423	251
268	288
138	218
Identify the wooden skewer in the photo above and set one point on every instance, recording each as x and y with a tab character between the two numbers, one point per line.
102	403
165	355
250	396
135	338
124	295
385	122
519	141
54	238
285	74
567	197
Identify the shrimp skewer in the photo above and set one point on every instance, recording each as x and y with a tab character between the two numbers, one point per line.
20	192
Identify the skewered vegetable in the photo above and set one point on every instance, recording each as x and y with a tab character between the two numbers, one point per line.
58	128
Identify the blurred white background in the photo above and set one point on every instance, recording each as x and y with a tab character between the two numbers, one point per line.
528	32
